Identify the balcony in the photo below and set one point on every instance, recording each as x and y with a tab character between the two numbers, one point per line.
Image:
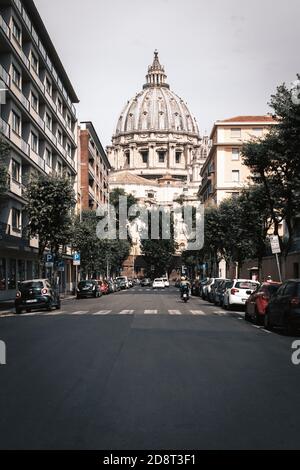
25	147
21	53
37	159
18	93
37	118
51	136
51	102
61	149
4	26
71	162
37	79
4	128
16	187
4	76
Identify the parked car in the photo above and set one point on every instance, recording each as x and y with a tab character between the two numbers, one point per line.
130	283
158	284
111	287
258	302
212	291
124	281
239	292
146	282
35	295
283	309
220	291
166	281
202	284
117	285
206	288
88	288
122	284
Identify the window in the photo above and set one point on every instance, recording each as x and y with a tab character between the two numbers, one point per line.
236	133
48	121
15	170
60	105
235	154
16	123
16	220
69	150
161	156
12	274
235	176
178	158
48	86
17	33
257	131
59	168
35	102
59	136
16	77
35	62
48	158
145	155
34	142
69	122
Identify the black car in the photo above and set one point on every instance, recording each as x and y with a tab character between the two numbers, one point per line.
36	295
195	288
146	282
88	289
284	307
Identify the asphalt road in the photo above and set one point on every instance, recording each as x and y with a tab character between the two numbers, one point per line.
142	370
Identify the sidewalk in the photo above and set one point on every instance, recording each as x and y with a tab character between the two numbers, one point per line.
8	306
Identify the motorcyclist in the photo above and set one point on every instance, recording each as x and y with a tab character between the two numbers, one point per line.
184	286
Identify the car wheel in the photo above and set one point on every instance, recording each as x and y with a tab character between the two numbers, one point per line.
77	297
50	306
58	305
18	311
28	310
258	319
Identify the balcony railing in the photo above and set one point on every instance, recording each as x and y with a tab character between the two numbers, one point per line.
37	79
25	147
4	76
51	136
37	118
71	161
4	128
4	26
25	102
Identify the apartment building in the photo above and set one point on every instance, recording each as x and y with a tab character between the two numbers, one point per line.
94	168
224	173
39	121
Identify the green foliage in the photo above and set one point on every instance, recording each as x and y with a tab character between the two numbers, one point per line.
275	162
96	254
159	254
4	152
50	200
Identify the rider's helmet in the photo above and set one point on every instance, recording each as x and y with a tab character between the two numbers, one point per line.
183	278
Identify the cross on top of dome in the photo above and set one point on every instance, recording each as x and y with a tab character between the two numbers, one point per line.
156	76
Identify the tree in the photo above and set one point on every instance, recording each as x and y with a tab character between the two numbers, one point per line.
275	163
159	253
50	201
4	152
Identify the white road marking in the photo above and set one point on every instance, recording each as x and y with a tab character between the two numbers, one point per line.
150	312
198	312
53	314
175	312
80	312
102	312
126	312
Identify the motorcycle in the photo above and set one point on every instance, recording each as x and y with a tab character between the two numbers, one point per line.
185	294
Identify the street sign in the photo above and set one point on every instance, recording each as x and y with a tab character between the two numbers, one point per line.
49	265
61	266
275	244
76	259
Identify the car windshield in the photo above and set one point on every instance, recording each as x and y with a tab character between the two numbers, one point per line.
85	284
246	285
158	280
31	285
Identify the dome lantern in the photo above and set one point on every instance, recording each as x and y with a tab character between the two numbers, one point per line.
156	76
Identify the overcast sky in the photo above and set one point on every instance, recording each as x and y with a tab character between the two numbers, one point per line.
223	57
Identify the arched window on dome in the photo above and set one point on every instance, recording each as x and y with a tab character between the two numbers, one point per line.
161	120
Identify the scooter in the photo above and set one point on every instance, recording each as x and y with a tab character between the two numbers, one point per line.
185	295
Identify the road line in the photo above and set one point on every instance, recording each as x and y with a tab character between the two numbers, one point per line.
198	312
150	312
126	312
175	312
102	312
54	314
80	312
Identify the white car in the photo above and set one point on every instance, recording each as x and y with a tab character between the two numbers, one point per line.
166	281
158	284
239	293
123	279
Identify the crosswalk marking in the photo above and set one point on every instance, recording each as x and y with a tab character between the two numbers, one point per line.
55	313
126	312
80	312
197	312
175	312
150	312
102	312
